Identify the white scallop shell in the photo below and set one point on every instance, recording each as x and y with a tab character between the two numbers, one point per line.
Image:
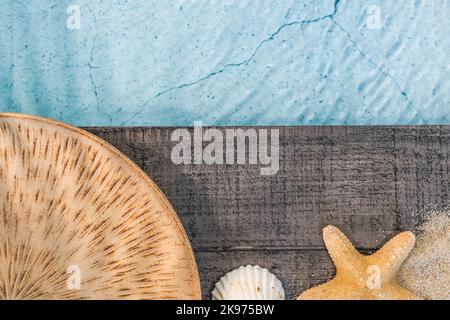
248	283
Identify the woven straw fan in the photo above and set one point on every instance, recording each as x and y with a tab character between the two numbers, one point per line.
78	220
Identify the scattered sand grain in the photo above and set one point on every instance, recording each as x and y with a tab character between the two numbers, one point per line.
427	270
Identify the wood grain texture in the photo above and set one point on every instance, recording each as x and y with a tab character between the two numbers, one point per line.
368	181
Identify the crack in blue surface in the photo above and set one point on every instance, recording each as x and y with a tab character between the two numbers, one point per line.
238	64
381	70
331	17
91	59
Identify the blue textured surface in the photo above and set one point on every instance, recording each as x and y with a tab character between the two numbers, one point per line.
240	62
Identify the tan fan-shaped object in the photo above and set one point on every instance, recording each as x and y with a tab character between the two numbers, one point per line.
78	220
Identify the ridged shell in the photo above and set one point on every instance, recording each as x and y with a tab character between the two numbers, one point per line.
249	283
72	205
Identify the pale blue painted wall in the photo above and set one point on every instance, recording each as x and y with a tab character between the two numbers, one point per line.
240	62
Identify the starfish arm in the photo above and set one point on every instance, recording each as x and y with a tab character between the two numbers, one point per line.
336	289
341	250
321	292
393	291
391	256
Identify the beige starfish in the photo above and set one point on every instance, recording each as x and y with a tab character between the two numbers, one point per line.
362	277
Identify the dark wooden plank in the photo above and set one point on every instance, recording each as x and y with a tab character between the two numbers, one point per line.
367	180
296	269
